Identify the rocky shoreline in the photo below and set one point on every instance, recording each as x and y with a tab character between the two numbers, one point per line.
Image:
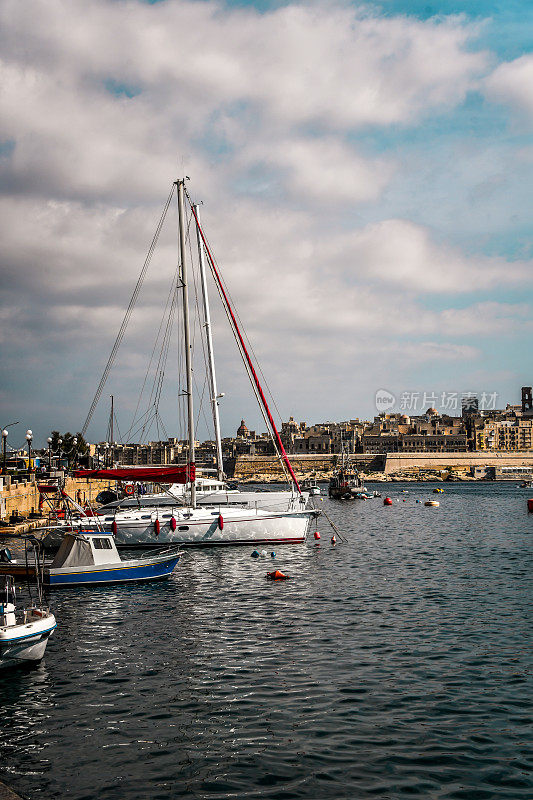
427	476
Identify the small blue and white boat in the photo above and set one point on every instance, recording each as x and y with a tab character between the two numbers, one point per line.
23	639
91	558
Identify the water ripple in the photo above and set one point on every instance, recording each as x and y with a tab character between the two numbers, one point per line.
395	665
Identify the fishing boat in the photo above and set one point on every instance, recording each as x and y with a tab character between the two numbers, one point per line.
215	522
311	486
23	635
347	483
91	558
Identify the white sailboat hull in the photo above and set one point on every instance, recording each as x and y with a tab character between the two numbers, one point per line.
253	529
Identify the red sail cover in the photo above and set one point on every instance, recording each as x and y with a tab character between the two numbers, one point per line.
174	474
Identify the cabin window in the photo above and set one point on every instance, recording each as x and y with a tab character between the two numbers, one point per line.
146	516
183	528
102	544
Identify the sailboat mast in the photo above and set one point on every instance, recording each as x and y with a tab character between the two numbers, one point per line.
186	331
246	356
210	353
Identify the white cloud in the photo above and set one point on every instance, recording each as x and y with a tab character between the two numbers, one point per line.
264	111
403	254
511	83
190	62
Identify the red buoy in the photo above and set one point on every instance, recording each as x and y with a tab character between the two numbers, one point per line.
277	576
316	535
221	522
387	501
333	539
530	505
114	527
157	527
173	523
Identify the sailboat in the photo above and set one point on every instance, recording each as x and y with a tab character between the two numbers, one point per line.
216	522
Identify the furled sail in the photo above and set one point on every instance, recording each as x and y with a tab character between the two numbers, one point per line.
184	473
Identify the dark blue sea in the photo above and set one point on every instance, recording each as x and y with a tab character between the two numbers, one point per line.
395	664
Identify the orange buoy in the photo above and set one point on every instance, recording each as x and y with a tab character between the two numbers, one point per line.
221	522
157	527
173	524
316	535
277	575
530	505
333	539
387	501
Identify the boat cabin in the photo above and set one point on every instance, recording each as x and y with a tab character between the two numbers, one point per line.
86	549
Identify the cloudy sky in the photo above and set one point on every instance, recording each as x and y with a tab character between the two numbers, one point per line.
365	169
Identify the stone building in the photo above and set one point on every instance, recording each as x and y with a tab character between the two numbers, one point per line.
427	433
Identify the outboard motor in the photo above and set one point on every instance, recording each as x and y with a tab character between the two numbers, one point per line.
5	555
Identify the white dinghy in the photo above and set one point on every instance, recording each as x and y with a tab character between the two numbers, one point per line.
24	636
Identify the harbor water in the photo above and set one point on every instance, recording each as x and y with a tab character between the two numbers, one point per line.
394	664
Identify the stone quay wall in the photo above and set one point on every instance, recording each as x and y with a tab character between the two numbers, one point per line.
269	467
23	496
265	468
397	462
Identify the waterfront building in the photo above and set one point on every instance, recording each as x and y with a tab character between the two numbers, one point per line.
427	433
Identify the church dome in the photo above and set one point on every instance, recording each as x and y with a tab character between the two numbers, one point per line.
242	429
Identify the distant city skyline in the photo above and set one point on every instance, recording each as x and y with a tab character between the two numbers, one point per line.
372	219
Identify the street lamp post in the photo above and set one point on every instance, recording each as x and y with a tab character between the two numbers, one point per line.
49	440
59	443
5	434
29	437
73	449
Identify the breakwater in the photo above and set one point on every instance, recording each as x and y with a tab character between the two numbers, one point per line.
266	468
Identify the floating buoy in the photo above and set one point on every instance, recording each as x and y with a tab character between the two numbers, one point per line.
387	501
418	501
404	500
221	522
273	554
333	539
114	527
277	576
173	524
530	505
157	527
263	553
316	535
255	554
